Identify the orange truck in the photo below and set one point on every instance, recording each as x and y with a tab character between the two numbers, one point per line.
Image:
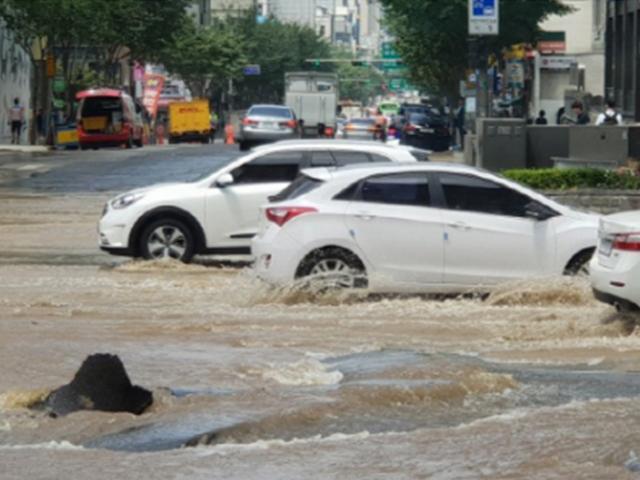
189	122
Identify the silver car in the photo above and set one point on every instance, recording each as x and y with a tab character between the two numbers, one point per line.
267	123
360	129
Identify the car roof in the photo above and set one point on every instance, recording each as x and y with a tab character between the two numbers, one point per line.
391	167
326	143
284	107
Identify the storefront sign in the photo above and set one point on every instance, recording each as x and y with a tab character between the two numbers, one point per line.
557	62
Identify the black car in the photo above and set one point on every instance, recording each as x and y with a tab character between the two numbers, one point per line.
426	129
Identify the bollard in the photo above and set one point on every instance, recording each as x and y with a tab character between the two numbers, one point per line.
229	134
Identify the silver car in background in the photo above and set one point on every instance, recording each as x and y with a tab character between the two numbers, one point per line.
267	123
361	129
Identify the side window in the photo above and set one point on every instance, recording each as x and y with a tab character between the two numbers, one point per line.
348	158
473	194
379	158
397	189
322	159
271	168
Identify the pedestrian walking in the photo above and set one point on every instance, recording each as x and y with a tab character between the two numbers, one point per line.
16	120
610	116
542	118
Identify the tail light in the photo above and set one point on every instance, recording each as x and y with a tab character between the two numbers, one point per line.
281	215
247	121
289	124
409	128
627	241
328	132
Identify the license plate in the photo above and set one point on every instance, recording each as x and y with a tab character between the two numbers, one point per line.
426	130
605	246
269	125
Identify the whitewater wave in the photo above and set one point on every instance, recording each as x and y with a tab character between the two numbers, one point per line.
307	372
205	450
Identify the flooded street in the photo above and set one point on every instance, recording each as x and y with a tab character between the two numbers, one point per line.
537	381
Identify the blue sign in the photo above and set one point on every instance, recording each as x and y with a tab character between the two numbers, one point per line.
484	8
252	70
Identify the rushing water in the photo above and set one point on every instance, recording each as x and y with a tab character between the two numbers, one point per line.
536	381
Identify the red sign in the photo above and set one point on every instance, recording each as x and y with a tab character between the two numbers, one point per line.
153	85
547	47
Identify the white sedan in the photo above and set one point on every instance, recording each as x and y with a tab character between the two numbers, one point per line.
219	214
615	269
418	228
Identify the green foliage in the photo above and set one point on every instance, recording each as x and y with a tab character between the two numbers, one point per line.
357	82
278	48
431	35
570	178
205	57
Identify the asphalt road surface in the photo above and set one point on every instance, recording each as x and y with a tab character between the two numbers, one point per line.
113	170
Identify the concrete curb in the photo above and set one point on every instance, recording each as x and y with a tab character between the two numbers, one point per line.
24	148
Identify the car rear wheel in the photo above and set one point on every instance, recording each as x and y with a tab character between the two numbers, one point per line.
167	239
332	269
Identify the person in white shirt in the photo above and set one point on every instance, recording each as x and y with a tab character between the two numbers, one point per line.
609	116
16	120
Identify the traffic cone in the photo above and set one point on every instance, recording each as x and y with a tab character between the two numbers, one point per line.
229	134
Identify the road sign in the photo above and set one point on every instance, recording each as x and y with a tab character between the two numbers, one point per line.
398	84
252	70
389	51
484	17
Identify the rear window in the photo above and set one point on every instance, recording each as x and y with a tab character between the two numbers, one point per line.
418	118
363	121
95	106
300	185
270	112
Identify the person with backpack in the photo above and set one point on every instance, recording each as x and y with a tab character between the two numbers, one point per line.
610	116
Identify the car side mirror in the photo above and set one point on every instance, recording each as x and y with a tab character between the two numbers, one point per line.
224	180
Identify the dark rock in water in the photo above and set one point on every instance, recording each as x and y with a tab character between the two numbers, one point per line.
101	384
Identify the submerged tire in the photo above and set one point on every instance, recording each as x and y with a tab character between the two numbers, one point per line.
167	238
578	266
332	268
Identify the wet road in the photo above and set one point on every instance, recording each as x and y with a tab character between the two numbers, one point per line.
537	381
118	170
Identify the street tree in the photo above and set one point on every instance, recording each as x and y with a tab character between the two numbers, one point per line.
205	58
359	81
431	35
278	48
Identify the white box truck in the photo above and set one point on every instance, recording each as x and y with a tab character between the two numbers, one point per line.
313	96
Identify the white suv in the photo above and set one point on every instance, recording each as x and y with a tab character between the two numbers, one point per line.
219	214
431	228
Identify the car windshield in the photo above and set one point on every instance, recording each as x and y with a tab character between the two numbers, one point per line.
270	112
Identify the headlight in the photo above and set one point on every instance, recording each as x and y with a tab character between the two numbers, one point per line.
123	201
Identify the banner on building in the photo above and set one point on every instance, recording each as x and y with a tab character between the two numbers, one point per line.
153	85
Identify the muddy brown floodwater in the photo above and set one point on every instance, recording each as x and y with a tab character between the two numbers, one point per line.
537	381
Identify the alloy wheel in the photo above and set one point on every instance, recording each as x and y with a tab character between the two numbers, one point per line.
167	241
332	273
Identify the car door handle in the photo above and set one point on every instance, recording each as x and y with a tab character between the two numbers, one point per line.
365	216
459	226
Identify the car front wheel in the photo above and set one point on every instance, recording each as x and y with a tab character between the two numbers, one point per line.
166	239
